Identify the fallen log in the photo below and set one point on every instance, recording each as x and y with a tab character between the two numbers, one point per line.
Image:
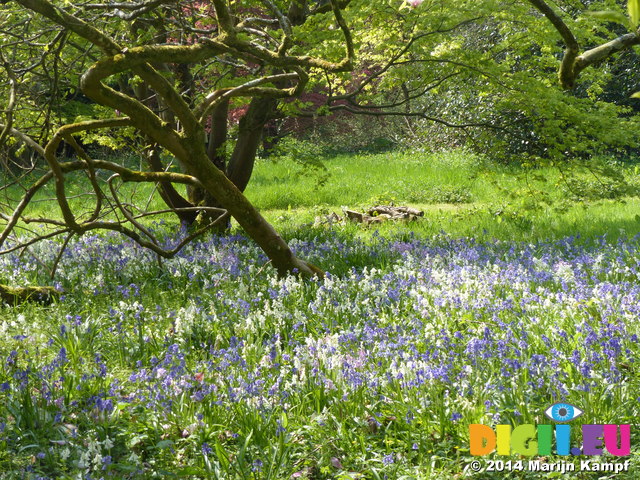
395	212
354	216
19	295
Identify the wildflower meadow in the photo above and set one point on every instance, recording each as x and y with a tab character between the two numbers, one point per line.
319	240
209	366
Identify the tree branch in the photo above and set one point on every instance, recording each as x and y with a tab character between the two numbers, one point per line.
566	74
25	139
572	61
216	97
604	51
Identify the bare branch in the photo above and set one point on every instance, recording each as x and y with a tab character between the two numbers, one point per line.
282	20
25	139
73	23
135	9
34	240
423	115
216	97
60	253
395	58
8	126
13	220
126	213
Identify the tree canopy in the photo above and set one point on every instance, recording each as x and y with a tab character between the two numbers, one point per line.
198	83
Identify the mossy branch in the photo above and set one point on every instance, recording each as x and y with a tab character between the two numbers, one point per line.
18	295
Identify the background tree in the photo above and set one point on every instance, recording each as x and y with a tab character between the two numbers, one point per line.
491	75
131	80
197	83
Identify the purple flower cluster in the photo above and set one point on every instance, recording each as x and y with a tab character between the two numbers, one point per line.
446	327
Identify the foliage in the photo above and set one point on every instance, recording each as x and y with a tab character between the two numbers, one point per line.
350	133
508	97
209	366
602	179
488	69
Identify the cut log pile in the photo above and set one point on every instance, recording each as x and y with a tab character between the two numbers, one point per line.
378	214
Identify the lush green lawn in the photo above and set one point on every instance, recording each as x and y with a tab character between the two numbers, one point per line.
460	193
208	366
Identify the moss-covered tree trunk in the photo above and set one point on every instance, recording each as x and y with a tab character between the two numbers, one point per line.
178	125
249	140
239	168
18	295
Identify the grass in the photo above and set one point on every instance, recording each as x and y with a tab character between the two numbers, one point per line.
208	366
366	179
460	193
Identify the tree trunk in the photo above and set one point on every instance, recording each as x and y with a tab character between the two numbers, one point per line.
227	189
240	166
167	191
216	144
249	138
221	188
215	152
17	295
216	147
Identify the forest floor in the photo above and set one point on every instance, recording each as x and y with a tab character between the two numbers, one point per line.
517	290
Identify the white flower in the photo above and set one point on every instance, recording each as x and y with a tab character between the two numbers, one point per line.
564	271
108	443
64	454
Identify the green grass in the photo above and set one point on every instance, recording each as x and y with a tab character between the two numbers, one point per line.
460	193
365	179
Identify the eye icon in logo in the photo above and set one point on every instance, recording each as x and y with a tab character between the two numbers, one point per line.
563	412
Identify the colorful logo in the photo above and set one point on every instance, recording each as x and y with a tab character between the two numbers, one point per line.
529	439
563	412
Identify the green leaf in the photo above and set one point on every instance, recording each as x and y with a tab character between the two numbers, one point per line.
164	444
222	456
188	471
610	16
634	12
636	95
